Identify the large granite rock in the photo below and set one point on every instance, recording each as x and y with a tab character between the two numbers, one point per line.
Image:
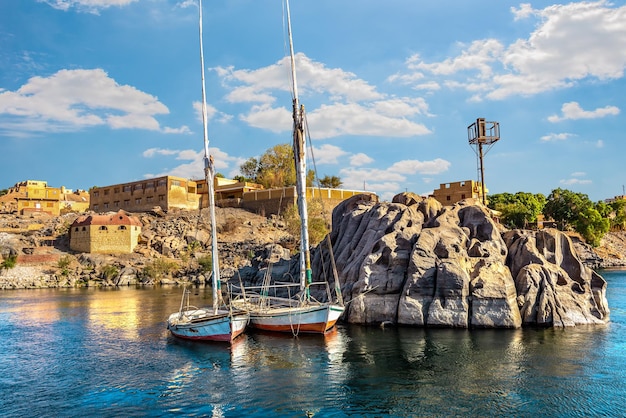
414	262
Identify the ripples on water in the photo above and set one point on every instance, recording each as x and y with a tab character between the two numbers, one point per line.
107	353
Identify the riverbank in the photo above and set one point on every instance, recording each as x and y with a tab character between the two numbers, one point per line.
44	259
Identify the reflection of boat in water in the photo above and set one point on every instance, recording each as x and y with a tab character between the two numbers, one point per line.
299	311
216	323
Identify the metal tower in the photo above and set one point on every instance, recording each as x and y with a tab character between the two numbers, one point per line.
482	133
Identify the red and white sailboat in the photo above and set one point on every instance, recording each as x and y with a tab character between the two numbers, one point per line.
299	312
220	322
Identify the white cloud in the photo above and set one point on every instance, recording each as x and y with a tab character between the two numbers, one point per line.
71	100
576	178
328	154
556	137
352	106
360	159
389	180
194	168
90	6
572	43
435	166
573	181
572	110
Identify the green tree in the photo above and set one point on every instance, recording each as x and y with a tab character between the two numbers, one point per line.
576	211
591	225
8	262
276	167
519	209
332	182
617	216
564	206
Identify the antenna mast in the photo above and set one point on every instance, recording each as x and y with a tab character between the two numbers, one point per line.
479	134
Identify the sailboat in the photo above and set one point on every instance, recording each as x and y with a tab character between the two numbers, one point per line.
218	323
269	309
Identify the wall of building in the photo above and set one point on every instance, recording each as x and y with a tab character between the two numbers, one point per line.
451	193
275	201
141	196
104	239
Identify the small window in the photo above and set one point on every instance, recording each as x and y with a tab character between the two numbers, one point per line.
448	198
96	194
127	188
138	201
447	185
105	205
84	228
106	192
76	229
103	228
127	202
149	198
176	183
161	197
162	182
121	227
116	190
462	195
95	208
137	187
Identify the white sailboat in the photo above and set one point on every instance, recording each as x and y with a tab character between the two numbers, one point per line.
218	323
299	312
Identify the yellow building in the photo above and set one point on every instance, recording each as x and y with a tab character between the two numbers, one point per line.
167	192
274	201
35	196
228	192
105	234
450	193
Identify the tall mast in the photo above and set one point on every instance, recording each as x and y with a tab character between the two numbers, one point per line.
209	174
299	151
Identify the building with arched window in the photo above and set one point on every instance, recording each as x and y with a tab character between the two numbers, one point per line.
112	233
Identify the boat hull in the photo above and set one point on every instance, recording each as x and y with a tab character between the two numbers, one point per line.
307	319
204	325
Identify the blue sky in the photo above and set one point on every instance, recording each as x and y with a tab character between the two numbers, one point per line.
98	92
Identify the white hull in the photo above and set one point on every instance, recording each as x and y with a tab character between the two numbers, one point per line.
314	318
204	324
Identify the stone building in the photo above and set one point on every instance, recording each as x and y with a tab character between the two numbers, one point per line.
113	233
228	192
450	193
274	201
167	192
36	196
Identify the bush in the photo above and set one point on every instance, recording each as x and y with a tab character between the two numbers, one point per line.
9	262
206	263
159	268
109	272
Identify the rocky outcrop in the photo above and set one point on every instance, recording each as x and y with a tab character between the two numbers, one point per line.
413	262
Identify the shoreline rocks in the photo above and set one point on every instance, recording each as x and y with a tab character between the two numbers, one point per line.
407	262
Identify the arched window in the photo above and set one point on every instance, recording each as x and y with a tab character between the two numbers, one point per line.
103	228
121	227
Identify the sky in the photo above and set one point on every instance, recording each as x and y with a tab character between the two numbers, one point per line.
101	92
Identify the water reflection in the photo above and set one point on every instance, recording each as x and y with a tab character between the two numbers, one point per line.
85	350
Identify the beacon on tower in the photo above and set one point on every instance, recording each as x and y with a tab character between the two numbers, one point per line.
483	133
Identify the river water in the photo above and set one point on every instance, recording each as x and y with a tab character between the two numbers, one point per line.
107	353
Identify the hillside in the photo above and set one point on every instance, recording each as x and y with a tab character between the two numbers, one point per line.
40	241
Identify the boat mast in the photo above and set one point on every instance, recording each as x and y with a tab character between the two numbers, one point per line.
299	151
209	174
